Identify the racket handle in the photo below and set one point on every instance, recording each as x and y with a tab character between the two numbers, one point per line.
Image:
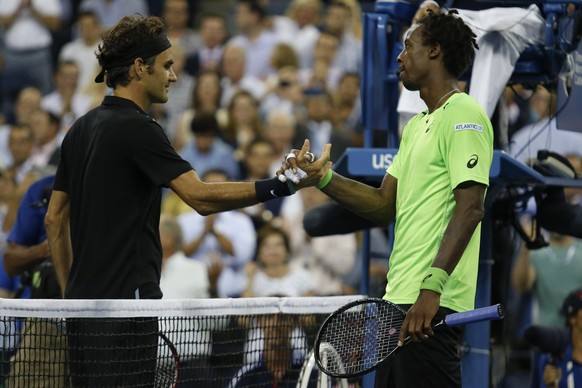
477	315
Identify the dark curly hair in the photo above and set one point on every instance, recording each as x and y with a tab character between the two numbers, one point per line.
457	40
126	35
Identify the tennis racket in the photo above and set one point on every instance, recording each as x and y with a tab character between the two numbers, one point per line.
168	364
359	336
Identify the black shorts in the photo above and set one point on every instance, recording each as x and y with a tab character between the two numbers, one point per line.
435	362
117	352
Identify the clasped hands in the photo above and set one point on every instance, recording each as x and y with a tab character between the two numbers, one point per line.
301	167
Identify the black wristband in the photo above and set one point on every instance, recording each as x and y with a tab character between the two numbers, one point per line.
273	188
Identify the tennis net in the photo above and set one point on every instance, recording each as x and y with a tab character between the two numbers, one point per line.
162	343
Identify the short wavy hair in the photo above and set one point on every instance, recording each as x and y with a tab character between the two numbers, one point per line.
457	40
126	35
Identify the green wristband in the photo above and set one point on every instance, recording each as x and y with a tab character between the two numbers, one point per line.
435	280
326	179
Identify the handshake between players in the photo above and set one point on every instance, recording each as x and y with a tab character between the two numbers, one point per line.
302	169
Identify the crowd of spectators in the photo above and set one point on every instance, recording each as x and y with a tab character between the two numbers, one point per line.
252	84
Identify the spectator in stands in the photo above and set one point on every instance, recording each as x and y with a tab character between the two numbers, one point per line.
322	74
8	284
205	98
208	151
259	156
319	127
226	239
177	16
20	144
355	23
276	366
565	372
28	101
21	171
281	348
271	272
243	124
543	132
254	38
235	77
65	101
28	251
298	27
286	95
39	360
347	108
82	50
27	58
337	21
549	274
182	278
213	34
280	130
328	259
46	151
110	12
283	56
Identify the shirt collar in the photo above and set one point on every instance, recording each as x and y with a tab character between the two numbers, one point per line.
121	102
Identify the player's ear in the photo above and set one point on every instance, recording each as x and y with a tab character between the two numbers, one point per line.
435	51
140	67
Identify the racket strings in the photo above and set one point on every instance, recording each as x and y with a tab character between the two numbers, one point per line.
359	338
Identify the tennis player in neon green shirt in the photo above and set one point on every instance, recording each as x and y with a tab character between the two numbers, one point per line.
435	190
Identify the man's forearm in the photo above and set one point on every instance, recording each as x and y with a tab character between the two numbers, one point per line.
468	213
456	238
61	253
375	204
57	226
18	258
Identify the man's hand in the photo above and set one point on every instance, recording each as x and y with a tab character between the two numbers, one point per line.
552	375
301	161
417	323
426	8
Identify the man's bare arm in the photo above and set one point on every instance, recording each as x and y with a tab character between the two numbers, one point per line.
19	258
469	211
213	197
208	198
57	224
376	204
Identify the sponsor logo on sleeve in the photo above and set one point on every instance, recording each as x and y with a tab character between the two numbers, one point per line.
473	160
469	127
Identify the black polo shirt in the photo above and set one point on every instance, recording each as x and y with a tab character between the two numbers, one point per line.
114	162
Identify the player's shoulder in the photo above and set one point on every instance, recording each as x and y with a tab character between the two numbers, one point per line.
463	103
463	112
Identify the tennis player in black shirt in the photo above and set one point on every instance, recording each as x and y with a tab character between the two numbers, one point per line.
103	217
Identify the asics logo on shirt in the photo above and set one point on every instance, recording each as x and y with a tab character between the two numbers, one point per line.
473	161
